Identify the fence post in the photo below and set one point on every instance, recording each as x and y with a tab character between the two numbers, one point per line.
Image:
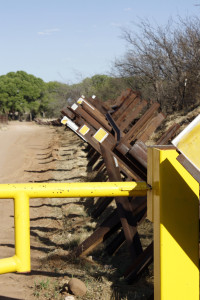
22	232
173	206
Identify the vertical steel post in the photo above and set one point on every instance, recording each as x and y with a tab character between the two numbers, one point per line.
22	232
173	206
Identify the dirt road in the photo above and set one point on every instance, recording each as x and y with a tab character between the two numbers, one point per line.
22	147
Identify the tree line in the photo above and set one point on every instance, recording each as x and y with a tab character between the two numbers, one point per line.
22	93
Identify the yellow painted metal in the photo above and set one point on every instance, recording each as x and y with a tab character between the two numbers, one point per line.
174	209
64	120
21	193
22	231
100	135
188	142
84	129
71	190
8	265
189	145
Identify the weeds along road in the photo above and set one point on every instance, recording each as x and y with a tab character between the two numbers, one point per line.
22	146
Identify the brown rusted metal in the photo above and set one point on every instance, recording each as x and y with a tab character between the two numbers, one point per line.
141	123
151	127
139	211
189	167
98	116
110	225
102	204
93	159
125	158
131	115
139	152
168	134
125	94
122	108
123	205
68	113
140	264
100	105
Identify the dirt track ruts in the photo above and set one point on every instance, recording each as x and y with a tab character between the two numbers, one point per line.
29	153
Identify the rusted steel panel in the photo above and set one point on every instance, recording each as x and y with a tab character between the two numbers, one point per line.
127	110
68	113
124	105
123	205
139	152
168	134
110	225
91	152
104	202
110	140
140	264
132	115
93	159
100	105
151	127
138	208
141	123
123	148
87	117
116	243
99	117
125	94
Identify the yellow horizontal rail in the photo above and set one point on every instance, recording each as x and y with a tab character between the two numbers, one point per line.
21	193
71	190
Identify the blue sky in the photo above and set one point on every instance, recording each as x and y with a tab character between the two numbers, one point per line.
68	40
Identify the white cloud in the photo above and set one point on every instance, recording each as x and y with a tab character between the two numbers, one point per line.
48	31
127	9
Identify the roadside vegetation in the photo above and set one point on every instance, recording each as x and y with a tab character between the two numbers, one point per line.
162	62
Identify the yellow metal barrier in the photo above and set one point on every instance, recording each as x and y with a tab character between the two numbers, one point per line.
173	206
21	193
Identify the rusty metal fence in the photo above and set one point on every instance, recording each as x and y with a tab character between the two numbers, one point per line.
117	138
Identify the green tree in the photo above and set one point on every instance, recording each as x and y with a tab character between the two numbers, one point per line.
21	92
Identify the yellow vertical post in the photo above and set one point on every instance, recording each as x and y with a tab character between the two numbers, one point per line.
22	232
174	208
